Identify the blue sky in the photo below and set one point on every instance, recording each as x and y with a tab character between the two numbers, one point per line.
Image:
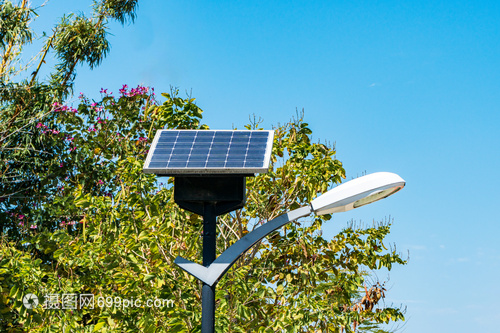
402	86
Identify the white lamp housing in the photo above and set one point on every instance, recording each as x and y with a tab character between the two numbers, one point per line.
358	192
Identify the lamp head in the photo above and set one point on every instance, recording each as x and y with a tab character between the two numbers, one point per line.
358	192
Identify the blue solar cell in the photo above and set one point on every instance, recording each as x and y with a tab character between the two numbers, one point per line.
256	151
184	139
237	150
163	151
258	140
239	143
260	133
176	164
255	145
198	140
223	133
167	139
253	164
235	164
236	155
169	134
162	164
200	157
177	157
181	144
219	140
216	158
165	144
253	158
205	133
160	158
218	151
182	151
196	164
202	145
191	134
215	164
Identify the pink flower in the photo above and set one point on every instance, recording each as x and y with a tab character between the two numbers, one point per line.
61	165
100	182
123	90
33	226
21	216
39	125
140	90
57	107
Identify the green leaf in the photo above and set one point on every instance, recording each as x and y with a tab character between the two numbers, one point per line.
14	291
98	326
149	277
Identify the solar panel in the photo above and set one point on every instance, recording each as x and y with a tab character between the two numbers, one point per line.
175	152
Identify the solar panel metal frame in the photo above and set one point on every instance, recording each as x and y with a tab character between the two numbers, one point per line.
183	171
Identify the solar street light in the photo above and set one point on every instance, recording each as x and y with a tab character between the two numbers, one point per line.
210	168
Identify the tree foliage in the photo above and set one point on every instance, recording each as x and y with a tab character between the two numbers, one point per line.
112	231
30	155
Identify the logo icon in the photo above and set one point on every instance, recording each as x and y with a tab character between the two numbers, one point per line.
30	301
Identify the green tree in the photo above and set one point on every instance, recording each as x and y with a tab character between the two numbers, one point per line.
114	232
32	158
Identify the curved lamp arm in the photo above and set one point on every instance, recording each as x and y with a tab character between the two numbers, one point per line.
212	274
352	194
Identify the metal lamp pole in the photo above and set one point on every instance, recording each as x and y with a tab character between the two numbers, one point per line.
209	253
